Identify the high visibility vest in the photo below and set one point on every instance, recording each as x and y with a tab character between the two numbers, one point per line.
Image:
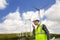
40	33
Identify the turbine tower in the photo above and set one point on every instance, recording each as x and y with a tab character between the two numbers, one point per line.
38	13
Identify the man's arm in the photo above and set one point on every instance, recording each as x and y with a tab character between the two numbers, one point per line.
33	31
46	31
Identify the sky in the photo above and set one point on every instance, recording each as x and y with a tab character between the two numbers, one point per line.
13	15
24	5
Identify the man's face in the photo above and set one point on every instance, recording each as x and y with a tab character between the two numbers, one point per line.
36	22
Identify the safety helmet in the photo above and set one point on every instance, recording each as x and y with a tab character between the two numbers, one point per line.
35	19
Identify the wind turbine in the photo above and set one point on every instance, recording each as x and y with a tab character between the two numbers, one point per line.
39	14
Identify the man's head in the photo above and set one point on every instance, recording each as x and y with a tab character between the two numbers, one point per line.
36	22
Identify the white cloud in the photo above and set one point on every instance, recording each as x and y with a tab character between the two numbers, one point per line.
12	22
53	17
54	12
3	4
33	15
30	15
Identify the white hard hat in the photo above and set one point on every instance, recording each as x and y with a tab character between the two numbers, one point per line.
35	19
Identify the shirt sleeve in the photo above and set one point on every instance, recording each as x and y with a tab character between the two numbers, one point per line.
46	31
34	33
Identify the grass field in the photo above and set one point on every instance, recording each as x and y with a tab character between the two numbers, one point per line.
17	36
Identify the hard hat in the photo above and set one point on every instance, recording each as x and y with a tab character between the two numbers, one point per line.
35	19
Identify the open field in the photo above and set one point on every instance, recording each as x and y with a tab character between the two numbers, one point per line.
19	35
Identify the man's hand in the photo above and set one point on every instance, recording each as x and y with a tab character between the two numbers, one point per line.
33	26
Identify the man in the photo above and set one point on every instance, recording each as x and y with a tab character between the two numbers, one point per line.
40	32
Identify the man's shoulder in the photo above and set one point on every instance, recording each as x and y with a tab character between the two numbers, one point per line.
43	25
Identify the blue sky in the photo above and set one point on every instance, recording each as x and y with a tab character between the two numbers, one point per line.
25	5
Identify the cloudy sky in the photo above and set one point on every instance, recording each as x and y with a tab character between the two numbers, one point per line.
15	15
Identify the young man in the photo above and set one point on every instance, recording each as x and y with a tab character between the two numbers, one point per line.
40	32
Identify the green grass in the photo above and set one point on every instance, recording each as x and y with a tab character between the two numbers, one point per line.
55	35
7	35
15	36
